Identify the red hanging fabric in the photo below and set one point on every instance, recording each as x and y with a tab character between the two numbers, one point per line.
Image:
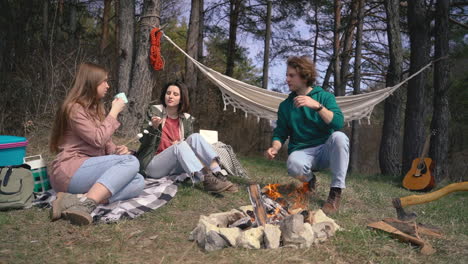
156	59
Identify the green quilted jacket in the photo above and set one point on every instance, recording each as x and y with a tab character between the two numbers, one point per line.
150	142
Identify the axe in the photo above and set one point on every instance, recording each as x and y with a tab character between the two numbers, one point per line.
400	203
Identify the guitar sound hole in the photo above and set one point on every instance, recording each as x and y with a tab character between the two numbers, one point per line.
422	170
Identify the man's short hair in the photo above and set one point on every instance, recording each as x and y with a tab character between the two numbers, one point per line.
304	67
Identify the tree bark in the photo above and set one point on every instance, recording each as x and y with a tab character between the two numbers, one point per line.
143	78
389	153
266	56
441	114
193	35
328	73
105	26
126	35
73	18
354	157
336	47
200	31
317	29
415	114
235	8
347	48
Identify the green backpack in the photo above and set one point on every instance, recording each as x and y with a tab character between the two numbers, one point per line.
16	187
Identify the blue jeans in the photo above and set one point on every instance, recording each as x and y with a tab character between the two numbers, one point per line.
188	156
118	173
334	154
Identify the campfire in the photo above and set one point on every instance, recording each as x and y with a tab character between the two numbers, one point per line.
278	217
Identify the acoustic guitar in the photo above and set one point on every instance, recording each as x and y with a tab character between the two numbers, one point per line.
420	177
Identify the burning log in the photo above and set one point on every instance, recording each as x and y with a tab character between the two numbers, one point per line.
258	205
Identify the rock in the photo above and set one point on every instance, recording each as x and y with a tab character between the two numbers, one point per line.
272	236
294	231
308	235
319	216
214	241
323	231
251	238
199	233
242	223
226	218
230	235
246	208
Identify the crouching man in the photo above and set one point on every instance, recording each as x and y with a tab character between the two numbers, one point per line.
310	117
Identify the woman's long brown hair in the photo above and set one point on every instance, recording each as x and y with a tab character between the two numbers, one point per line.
84	93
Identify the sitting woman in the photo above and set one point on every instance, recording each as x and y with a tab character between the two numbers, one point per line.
89	168
170	147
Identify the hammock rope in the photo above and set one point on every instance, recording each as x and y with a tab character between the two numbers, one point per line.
264	103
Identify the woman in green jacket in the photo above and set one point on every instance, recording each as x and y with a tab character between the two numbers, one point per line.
170	147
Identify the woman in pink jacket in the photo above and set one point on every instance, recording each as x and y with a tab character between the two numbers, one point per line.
89	168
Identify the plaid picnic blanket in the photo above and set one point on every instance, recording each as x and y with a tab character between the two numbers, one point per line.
157	193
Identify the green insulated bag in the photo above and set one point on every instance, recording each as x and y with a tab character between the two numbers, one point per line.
16	187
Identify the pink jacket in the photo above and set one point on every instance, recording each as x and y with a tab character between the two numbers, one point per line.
84	137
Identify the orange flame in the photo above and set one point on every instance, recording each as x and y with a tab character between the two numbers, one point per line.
299	196
272	191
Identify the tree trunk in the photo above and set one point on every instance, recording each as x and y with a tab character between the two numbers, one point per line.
354	157
235	7
326	79
117	34
143	77
389	153
415	115
317	29
126	37
347	48
200	30
192	49
266	56
336	47
441	115
105	26
73	18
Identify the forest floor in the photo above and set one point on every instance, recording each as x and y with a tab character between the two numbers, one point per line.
161	236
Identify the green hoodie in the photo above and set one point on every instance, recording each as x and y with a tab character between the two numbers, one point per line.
304	126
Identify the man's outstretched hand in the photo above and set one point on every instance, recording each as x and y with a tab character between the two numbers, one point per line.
271	153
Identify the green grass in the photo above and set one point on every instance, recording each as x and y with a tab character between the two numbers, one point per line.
27	236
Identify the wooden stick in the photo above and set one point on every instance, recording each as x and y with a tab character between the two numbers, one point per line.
257	203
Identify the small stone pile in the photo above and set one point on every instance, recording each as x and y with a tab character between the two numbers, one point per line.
216	231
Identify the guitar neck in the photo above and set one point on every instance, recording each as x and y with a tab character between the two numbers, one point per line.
425	149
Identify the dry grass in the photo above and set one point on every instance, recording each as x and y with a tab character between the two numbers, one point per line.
161	236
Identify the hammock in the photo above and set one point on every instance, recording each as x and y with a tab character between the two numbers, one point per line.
264	103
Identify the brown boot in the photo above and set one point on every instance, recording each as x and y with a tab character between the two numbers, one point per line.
80	214
215	185
62	203
332	204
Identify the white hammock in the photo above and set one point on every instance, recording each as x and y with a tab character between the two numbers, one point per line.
264	103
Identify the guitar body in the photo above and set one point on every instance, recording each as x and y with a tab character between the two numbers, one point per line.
420	177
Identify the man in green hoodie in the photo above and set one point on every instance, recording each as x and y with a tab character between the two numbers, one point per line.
310	117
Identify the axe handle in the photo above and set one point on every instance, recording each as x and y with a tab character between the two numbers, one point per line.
425	198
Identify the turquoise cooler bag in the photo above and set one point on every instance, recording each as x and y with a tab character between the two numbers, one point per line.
12	150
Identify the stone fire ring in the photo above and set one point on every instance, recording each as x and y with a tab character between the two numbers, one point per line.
213	232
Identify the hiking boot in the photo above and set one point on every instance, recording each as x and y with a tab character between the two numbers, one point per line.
215	185
62	203
333	202
222	175
80	214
